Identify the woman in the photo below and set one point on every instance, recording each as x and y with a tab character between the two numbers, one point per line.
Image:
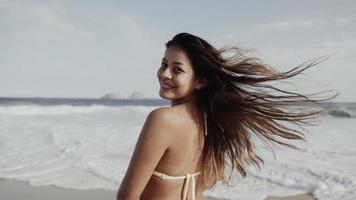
217	104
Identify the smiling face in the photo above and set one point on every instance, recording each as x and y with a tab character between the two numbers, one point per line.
176	75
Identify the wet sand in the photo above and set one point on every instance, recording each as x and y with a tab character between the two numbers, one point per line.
18	190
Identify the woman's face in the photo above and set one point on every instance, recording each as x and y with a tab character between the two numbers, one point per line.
176	75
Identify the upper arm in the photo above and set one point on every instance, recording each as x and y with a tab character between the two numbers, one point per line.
150	147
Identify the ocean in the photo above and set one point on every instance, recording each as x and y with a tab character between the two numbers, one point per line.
87	143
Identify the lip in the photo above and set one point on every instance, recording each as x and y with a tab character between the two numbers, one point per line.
166	86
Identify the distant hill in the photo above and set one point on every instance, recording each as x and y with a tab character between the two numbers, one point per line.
113	96
137	95
134	95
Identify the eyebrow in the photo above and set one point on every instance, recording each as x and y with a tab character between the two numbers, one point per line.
175	62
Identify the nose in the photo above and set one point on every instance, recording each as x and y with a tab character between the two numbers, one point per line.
166	73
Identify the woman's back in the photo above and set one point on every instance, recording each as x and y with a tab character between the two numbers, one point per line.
179	159
238	103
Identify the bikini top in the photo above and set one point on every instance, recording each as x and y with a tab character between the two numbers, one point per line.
188	177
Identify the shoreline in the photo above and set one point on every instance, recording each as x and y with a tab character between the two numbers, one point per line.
21	190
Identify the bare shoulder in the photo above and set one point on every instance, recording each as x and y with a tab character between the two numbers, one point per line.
165	116
166	124
161	124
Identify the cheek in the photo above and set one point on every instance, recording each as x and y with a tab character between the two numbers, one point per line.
184	84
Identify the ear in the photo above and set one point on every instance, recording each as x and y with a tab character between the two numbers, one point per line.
200	83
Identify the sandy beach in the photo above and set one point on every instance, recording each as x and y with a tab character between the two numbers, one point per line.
18	190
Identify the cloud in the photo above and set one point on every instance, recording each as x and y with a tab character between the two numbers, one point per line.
56	41
301	24
27	15
48	45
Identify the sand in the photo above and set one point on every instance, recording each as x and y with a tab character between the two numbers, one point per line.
18	190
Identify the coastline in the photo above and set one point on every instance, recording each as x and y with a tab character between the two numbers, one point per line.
20	190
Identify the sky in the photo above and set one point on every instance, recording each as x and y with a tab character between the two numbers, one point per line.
86	49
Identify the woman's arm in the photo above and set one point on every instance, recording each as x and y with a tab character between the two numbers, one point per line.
150	147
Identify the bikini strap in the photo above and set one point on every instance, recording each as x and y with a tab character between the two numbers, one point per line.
186	186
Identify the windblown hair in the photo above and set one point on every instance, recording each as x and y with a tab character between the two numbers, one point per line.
241	104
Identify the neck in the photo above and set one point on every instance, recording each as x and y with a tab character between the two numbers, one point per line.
190	99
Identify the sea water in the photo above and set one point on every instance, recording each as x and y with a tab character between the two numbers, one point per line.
87	143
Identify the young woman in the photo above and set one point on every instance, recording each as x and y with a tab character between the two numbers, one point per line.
217	104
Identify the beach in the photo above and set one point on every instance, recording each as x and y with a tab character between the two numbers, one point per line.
85	147
18	190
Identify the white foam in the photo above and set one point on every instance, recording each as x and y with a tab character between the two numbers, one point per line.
64	109
83	147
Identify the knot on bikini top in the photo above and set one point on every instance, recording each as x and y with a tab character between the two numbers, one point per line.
188	177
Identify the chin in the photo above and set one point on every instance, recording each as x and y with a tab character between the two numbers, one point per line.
167	95
164	95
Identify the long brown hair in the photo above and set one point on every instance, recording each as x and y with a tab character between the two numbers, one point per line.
240	103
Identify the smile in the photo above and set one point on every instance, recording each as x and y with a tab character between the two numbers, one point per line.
166	87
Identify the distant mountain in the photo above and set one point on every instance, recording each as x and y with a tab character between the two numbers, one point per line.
113	96
137	95
134	95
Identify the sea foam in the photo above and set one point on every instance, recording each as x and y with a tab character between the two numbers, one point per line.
83	147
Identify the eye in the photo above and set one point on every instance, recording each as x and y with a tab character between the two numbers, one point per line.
177	69
163	65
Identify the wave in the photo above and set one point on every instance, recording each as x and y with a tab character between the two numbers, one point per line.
334	110
341	113
341	110
66	109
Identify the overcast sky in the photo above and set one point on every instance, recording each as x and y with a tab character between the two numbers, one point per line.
85	49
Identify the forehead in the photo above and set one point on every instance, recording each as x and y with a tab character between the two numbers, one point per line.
176	53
